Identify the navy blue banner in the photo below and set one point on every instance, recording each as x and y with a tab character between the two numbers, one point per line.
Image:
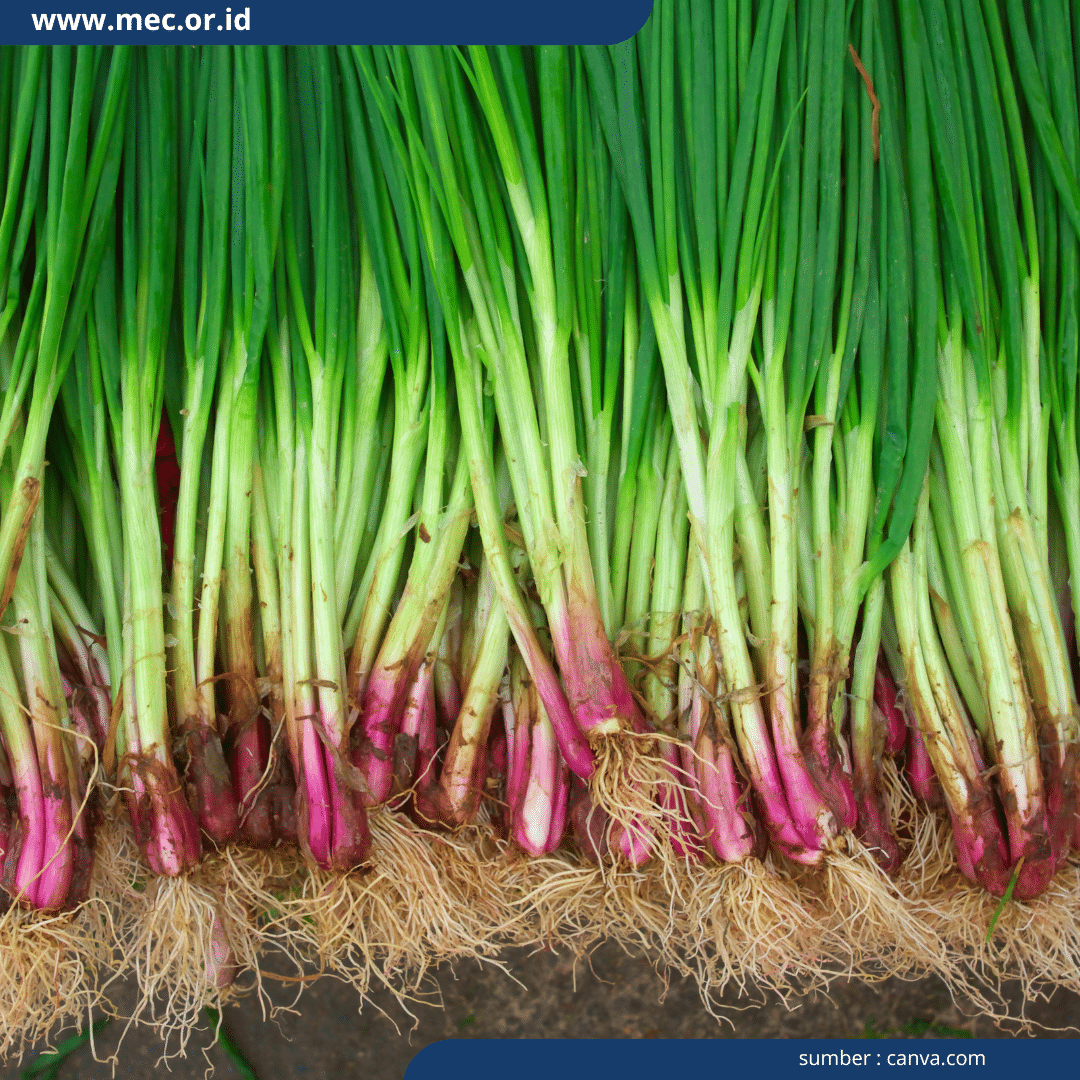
321	22
636	1059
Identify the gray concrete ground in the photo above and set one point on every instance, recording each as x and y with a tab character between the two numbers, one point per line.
619	998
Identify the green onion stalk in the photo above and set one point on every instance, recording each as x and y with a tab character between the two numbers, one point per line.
275	802
601	268
543	228
132	330
848	400
787	378
274	568
285	402
396	288
554	516
458	218
318	243
84	459
207	174
903	256
837	308
383	681
642	393
371	404
876	725
259	141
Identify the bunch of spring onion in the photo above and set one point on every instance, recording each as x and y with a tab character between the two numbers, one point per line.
589	441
